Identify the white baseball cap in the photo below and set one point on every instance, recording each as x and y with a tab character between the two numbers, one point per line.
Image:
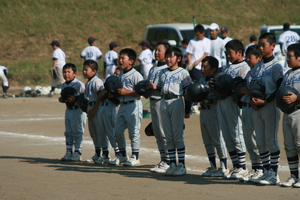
214	26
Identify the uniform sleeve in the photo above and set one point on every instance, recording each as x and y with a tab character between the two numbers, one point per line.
277	72
186	79
99	53
189	49
99	85
55	55
82	54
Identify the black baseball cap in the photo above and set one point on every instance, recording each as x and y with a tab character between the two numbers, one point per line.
224	29
145	42
55	42
91	40
113	44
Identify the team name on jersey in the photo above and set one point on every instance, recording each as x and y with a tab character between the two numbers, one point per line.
294	79
173	79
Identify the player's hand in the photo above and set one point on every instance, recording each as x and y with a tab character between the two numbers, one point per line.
258	102
290	98
190	66
92	113
60	99
151	86
71	99
211	84
187	116
244	90
122	91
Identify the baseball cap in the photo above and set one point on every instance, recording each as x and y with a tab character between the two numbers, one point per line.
286	26
91	40
224	29
153	43
145	42
113	44
214	26
55	42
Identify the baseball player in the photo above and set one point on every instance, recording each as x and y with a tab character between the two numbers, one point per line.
3	77
172	83
253	41
217	47
111	59
155	102
145	58
291	123
225	38
74	117
229	114
210	130
91	52
93	93
285	39
130	111
59	60
268	75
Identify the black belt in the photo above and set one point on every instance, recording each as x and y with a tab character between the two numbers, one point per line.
92	103
74	108
105	103
127	102
154	99
246	104
206	107
170	96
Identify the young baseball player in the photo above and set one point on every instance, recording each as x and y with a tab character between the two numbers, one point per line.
172	83
145	58
130	111
74	117
155	106
3	77
93	93
253	55
217	47
111	59
229	114
268	75
91	52
291	123
210	130
59	60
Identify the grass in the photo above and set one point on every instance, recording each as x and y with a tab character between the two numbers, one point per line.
27	27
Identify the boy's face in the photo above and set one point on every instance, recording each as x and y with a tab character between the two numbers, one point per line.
266	48
223	34
88	72
172	60
292	60
234	56
199	36
213	34
206	70
184	45
69	74
160	53
124	62
252	59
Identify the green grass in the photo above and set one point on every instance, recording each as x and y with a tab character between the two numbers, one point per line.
27	27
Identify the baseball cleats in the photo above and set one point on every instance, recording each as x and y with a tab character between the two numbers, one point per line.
220	172
271	179
209	172
132	162
239	173
119	159
257	176
102	161
160	167
75	157
179	170
171	169
92	159
297	184
227	175
246	177
67	156
290	181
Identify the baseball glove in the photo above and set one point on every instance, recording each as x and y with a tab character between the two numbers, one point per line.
54	75
149	130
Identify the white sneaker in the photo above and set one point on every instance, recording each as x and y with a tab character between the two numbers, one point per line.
67	156
272	179
227	175
239	173
297	184
75	157
132	162
171	169
256	177
179	170
220	172
102	161
290	181
119	159
195	110
209	172
246	177
92	159
160	167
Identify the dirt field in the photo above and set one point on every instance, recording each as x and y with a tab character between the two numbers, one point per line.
32	143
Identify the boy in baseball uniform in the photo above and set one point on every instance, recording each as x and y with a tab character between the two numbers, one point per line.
74	117
91	52
145	58
267	75
291	123
229	114
93	93
3	77
130	111
172	83
111	59
210	130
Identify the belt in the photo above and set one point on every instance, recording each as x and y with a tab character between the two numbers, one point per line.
170	96
153	99
127	102
246	104
105	103
91	103
206	107
74	108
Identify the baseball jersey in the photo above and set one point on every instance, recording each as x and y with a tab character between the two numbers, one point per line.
249	81
77	85
153	77
287	38
267	74
92	87
237	69
217	49
174	81
129	79
91	53
226	39
110	57
60	56
292	78
146	57
197	48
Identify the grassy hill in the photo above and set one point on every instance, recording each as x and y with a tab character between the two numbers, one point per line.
27	27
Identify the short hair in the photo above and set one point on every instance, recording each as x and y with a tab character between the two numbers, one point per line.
270	37
166	45
130	53
199	28
92	64
295	48
286	26
212	61
235	45
177	52
70	66
185	41
254	50
253	38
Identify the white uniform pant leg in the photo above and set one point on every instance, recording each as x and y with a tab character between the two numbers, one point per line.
4	79
92	124
145	70
291	133
59	79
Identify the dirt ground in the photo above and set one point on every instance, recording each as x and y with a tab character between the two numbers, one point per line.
32	143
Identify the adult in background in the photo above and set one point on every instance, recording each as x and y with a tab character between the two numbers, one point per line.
225	38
